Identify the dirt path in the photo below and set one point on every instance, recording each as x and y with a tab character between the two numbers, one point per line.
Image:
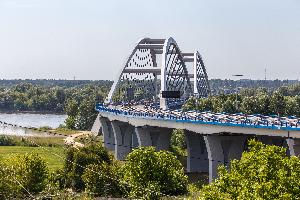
70	140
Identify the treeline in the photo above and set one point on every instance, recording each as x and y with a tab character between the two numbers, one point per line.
54	82
30	97
227	86
285	101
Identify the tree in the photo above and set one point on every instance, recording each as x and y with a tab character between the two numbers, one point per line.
86	115
291	106
190	104
104	180
248	105
205	104
263	103
264	172
78	159
277	104
229	106
151	173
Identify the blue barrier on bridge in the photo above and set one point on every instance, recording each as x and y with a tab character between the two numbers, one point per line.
221	119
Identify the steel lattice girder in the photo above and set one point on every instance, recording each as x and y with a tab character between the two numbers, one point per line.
146	79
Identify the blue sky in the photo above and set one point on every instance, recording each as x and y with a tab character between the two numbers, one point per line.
91	39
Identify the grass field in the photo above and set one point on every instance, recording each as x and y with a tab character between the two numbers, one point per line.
47	153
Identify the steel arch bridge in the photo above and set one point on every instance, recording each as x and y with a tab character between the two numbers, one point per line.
156	70
156	67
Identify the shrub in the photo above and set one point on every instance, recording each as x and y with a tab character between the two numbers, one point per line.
103	180
21	174
6	183
265	172
78	159
151	174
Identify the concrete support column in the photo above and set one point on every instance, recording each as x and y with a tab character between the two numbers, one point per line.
123	139
161	138
108	135
197	160
294	146
222	149
143	136
158	137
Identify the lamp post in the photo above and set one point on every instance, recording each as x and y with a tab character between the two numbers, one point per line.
236	99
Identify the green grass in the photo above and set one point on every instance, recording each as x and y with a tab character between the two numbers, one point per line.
31	141
65	131
47	153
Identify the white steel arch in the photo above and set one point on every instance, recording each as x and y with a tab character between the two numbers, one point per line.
141	78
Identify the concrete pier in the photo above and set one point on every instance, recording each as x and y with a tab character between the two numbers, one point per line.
157	137
222	149
123	139
197	160
108	134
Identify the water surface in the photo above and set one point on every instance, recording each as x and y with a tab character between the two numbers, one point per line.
28	120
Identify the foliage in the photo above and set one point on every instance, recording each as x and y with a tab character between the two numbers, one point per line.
250	102
81	115
6	183
151	174
86	115
78	159
21	175
29	96
264	172
178	144
103	180
178	138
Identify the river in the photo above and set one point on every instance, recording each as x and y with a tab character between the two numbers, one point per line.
28	120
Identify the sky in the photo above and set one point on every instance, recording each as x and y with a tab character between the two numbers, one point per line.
90	39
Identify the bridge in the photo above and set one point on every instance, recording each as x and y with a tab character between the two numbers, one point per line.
143	107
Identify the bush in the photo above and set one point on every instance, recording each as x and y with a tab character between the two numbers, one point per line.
78	159
21	174
103	180
151	174
265	172
6	183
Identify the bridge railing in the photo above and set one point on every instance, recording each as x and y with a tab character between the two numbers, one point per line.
241	120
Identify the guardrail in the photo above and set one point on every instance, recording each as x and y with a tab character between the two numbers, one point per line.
221	119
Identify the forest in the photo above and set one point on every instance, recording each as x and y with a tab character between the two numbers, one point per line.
284	101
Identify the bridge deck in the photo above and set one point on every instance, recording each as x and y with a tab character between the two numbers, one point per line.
220	121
